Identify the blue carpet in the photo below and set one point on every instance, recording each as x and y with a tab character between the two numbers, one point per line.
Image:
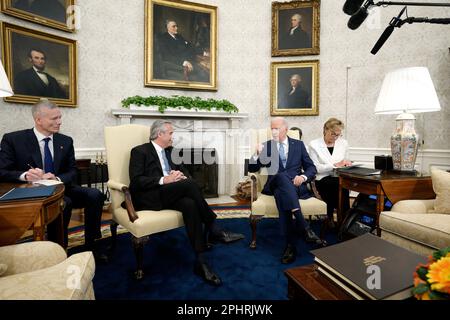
168	261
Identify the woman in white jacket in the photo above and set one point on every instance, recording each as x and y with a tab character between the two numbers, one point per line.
327	153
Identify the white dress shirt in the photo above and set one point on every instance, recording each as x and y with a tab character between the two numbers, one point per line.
40	138
161	161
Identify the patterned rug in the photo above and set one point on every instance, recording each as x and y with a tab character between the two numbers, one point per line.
76	234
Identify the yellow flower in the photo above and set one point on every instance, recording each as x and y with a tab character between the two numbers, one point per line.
439	275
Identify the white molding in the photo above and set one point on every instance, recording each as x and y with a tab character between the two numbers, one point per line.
425	158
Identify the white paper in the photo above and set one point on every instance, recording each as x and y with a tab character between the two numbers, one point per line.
47	182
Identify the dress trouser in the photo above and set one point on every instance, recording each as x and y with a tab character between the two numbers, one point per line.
328	188
76	197
286	197
185	196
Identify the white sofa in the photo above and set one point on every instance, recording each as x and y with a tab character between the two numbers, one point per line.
41	270
412	225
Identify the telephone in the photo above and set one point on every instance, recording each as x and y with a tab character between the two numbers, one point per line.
361	217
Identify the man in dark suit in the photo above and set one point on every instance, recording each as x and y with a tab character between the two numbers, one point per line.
43	153
296	37
156	183
36	82
177	57
289	167
295	97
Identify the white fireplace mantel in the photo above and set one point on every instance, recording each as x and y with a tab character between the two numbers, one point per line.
126	115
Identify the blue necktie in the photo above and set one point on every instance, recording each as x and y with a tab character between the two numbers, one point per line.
166	162
282	155
48	160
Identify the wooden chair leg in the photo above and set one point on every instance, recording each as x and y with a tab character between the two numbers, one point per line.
254	219
138	246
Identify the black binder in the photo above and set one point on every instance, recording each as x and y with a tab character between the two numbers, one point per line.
26	193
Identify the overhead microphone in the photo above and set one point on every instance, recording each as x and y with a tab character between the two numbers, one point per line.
351	6
361	14
395	22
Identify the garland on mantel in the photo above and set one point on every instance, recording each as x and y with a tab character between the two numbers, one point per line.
179	102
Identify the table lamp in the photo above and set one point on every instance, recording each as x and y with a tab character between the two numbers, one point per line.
406	91
5	87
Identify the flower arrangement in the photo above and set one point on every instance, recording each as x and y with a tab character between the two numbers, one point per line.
432	281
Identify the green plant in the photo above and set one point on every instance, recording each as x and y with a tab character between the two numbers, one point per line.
180	102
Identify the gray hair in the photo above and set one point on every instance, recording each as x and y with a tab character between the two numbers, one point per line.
36	110
285	123
157	127
296	75
298	16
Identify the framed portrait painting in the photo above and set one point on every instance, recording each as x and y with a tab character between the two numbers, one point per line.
58	14
295	88
39	65
180	45
295	28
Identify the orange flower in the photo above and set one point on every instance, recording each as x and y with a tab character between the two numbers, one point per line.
439	275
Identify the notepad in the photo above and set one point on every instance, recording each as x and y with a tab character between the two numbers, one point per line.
47	182
26	193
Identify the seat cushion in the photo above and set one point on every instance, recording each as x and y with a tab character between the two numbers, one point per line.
265	205
429	229
441	186
149	221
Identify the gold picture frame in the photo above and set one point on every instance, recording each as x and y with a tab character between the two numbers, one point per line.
187	58
296	28
39	65
58	14
301	101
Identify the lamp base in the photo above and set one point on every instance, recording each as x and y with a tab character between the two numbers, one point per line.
404	143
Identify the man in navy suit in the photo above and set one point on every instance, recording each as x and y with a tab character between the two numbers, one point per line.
289	167
36	82
43	153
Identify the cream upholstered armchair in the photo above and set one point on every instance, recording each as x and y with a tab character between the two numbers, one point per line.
119	141
264	205
40	270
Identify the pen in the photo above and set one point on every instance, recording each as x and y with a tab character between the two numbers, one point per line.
30	166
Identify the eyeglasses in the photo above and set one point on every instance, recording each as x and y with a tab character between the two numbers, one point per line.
334	134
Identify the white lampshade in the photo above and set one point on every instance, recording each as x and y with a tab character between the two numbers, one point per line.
409	90
5	87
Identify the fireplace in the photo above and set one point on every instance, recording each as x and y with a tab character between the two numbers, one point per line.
201	163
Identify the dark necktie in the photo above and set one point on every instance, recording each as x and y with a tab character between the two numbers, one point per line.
166	162
48	159
282	155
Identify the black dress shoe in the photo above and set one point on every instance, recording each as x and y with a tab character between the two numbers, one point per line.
225	236
204	271
100	258
289	255
311	237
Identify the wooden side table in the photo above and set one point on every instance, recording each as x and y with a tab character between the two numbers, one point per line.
306	283
393	185
18	216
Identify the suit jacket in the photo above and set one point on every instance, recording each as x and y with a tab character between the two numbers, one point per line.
145	172
175	51
299	99
28	82
298	163
322	158
21	148
298	40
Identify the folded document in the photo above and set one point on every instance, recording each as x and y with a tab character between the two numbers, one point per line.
25	193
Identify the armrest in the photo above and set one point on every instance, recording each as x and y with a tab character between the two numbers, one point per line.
70	279
254	189
128	204
413	206
31	256
312	186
